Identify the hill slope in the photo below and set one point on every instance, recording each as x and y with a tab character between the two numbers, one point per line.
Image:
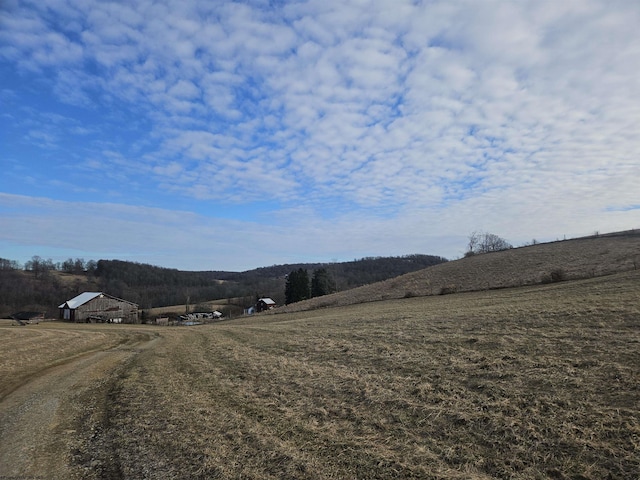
542	263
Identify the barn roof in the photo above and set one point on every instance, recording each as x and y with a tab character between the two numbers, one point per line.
267	301
81	299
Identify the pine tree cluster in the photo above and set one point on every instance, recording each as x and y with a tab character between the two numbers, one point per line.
298	287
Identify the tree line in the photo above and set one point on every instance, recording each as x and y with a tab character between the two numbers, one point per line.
298	287
41	284
40	266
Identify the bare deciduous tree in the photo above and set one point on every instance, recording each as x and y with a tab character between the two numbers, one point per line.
483	242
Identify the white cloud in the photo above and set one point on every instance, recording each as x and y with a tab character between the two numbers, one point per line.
471	112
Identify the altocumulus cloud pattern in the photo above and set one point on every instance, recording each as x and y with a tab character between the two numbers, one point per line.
231	135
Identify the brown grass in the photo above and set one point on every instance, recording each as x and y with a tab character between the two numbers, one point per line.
571	259
528	383
26	351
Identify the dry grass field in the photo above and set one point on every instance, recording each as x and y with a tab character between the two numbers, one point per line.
536	382
28	351
579	258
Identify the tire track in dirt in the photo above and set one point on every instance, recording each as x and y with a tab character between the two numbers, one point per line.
39	420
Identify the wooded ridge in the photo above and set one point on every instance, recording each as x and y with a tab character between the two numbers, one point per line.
45	285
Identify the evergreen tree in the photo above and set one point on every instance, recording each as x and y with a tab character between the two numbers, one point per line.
297	286
322	283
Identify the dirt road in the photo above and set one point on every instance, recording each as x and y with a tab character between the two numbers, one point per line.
46	423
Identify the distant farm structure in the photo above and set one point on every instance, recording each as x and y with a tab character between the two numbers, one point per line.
98	307
197	316
265	304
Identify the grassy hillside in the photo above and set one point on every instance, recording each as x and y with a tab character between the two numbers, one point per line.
536	382
542	263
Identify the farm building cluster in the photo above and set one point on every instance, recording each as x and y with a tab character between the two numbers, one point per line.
99	307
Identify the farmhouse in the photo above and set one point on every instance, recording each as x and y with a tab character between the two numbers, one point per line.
265	304
98	307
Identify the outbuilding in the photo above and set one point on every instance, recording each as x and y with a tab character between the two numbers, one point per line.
98	307
265	303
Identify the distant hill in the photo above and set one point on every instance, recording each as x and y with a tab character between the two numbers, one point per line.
151	286
542	263
347	274
364	280
154	286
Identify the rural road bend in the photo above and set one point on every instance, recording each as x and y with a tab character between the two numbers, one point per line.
39	421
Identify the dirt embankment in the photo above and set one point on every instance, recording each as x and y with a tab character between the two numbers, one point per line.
47	420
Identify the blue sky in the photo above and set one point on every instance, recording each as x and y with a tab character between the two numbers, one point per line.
232	135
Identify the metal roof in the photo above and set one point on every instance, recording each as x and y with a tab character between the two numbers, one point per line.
267	300
81	299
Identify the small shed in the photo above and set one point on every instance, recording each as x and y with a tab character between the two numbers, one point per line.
265	303
90	307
